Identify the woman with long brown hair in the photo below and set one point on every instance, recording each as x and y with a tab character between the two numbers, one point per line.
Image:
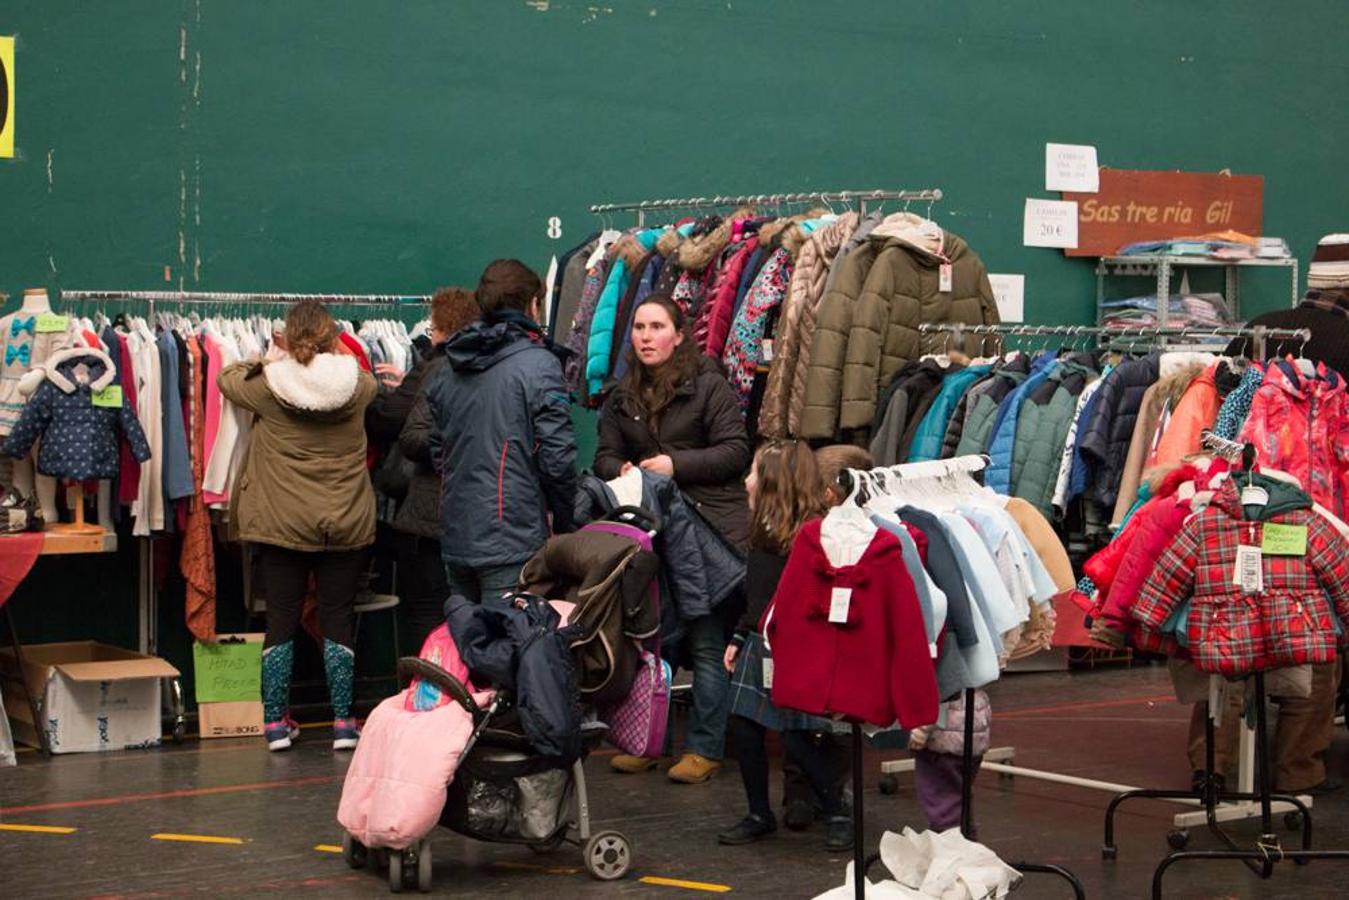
673	414
305	499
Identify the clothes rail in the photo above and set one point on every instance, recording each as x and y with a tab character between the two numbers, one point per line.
205	297
1258	334
928	195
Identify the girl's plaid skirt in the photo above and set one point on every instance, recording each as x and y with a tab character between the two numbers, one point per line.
749	697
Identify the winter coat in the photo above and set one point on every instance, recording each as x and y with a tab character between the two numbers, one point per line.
702	432
1237	405
514	644
1234	633
985	400
875	666
571	275
905	403
1044	541
699	567
1163	395
610	577
1063	492
1002	439
79	414
507	445
902	290
24	350
796	326
419	442
1105	438
304	485
744	346
578	337
1042	430
715	322
931	432
1191	417
1301	426
628	253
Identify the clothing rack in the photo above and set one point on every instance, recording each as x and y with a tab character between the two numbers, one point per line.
859	199
1257	333
207	297
848	479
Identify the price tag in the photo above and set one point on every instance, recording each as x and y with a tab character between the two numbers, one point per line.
768	672
48	323
1284	540
1254	495
944	278
110	397
767	345
839	601
1249	573
1050	223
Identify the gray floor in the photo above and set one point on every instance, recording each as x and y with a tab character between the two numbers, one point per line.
1116	725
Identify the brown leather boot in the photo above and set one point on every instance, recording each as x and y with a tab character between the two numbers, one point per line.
693	769
631	765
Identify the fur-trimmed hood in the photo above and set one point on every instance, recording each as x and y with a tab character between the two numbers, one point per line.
60	368
324	388
695	253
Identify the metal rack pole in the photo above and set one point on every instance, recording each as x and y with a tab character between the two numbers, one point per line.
927	195
208	297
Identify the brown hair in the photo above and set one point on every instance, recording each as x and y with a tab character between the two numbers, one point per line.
310	330
786	496
508	284
452	308
653	387
834	459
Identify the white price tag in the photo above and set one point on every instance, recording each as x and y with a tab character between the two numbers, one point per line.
1254	495
768	672
1249	572
767	345
945	276
1009	293
839	601
932	649
1050	223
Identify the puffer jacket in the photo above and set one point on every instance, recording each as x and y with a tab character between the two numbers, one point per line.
1237	405
1042	430
744	345
796	325
1233	633
1158	398
419	441
514	644
903	406
1002	440
931	431
628	254
609	576
1195	413
304	485
902	291
508	452
702	432
1105	437
982	408
955	425
1299	425
574	369
715	321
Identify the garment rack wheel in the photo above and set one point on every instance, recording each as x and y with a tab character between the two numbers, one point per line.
1178	838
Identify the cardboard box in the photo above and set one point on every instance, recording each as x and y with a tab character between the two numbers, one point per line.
93	696
241	718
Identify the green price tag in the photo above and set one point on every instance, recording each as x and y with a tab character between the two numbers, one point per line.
110	396
1284	540
51	322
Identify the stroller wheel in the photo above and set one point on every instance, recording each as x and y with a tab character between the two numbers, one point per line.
396	871
607	856
354	852
424	866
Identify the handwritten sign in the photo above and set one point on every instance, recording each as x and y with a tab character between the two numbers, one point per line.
1071	167
1050	223
228	672
1009	292
1136	206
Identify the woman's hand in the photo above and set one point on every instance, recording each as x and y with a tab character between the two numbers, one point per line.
728	658
661	465
624	469
389	375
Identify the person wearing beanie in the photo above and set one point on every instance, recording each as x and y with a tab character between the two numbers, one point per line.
1324	310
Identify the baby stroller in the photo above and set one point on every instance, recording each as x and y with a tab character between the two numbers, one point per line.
503	792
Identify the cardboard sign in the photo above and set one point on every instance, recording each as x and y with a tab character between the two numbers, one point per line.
110	397
1009	292
1071	167
1050	223
1283	540
1134	206
229	671
51	323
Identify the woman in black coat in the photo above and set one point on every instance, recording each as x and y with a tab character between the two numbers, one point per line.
674	414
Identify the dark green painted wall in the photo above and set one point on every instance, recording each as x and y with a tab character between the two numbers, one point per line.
379	146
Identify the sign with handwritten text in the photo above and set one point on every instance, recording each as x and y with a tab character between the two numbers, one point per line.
229	670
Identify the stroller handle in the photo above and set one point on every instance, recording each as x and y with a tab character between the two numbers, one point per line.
410	667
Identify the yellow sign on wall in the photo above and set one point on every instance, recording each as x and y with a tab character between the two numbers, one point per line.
7	97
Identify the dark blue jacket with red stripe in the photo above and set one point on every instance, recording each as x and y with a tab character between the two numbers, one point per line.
507	449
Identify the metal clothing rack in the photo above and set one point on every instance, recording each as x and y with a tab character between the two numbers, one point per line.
1257	333
859	199
848	479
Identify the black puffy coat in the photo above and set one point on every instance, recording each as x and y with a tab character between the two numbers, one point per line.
702	432
1105	442
514	644
419	442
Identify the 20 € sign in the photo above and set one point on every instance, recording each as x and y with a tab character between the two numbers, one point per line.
7	97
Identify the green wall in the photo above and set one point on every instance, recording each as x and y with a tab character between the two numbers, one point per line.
391	147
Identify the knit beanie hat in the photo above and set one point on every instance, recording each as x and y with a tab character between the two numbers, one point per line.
1330	263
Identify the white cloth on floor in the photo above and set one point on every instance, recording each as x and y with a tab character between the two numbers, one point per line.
930	864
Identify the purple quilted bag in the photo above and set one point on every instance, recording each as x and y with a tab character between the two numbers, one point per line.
637	724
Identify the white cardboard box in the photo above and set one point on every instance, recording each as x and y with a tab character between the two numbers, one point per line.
94	696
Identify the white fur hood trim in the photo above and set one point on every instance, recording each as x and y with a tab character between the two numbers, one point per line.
326	384
89	354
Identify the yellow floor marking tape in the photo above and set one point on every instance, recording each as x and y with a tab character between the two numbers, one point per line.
689	885
196	838
38	829
327	848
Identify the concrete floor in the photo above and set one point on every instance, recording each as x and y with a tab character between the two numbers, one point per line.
278	809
